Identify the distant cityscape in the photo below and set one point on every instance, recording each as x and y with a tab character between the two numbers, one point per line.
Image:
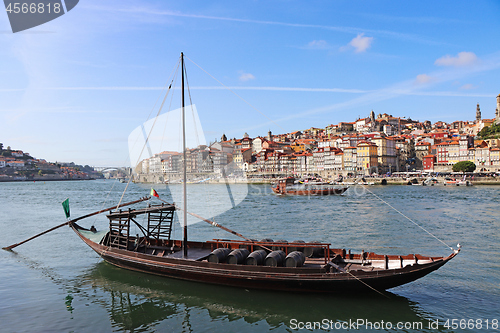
375	145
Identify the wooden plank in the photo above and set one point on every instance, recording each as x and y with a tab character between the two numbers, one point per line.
193	254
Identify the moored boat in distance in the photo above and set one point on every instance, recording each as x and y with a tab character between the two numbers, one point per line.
456	182
290	186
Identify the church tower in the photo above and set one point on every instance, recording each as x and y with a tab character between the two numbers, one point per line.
497	113
478	114
269	136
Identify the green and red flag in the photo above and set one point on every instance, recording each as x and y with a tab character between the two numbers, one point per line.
154	193
65	205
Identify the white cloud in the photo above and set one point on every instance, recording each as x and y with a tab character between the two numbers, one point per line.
424	78
462	59
246	77
467	86
318	44
360	43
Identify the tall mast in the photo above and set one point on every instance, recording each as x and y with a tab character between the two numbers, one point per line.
184	169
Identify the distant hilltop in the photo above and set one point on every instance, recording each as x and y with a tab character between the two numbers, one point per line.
16	165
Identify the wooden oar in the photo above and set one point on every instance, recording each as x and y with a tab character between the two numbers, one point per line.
8	248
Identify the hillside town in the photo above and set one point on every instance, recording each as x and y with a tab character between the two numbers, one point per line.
376	145
16	165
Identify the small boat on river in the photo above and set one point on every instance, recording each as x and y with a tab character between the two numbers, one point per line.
457	182
290	186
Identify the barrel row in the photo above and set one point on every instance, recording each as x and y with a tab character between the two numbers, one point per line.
276	258
309	251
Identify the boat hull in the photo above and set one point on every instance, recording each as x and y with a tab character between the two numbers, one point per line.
309	280
313	191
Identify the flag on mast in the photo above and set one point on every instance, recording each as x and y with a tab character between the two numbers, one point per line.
65	205
154	193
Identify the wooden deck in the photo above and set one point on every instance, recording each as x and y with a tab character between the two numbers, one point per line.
193	254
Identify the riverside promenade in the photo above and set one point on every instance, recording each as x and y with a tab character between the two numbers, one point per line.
368	180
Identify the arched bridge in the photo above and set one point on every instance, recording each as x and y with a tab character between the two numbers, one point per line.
125	170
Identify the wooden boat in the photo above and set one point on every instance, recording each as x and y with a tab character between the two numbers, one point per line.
268	265
281	266
289	186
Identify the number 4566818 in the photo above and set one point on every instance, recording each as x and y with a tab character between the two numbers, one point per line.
32	8
477	324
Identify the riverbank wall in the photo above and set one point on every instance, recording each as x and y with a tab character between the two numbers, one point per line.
45	178
363	180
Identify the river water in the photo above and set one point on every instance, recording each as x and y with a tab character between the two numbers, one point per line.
55	283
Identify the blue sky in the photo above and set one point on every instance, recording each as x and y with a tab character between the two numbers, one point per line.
74	88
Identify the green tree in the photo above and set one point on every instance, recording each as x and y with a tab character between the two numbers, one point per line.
464	166
489	132
484	133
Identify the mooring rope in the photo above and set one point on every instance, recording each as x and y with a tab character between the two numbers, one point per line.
409	219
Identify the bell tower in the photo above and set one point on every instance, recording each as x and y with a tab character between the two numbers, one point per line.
497	113
478	114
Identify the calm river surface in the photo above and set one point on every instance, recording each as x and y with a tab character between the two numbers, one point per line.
56	283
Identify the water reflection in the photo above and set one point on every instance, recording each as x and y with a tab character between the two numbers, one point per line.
138	302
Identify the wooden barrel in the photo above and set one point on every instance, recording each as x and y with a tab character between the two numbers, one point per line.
219	255
275	258
313	252
266	240
256	258
279	247
293	248
248	247
237	256
295	259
